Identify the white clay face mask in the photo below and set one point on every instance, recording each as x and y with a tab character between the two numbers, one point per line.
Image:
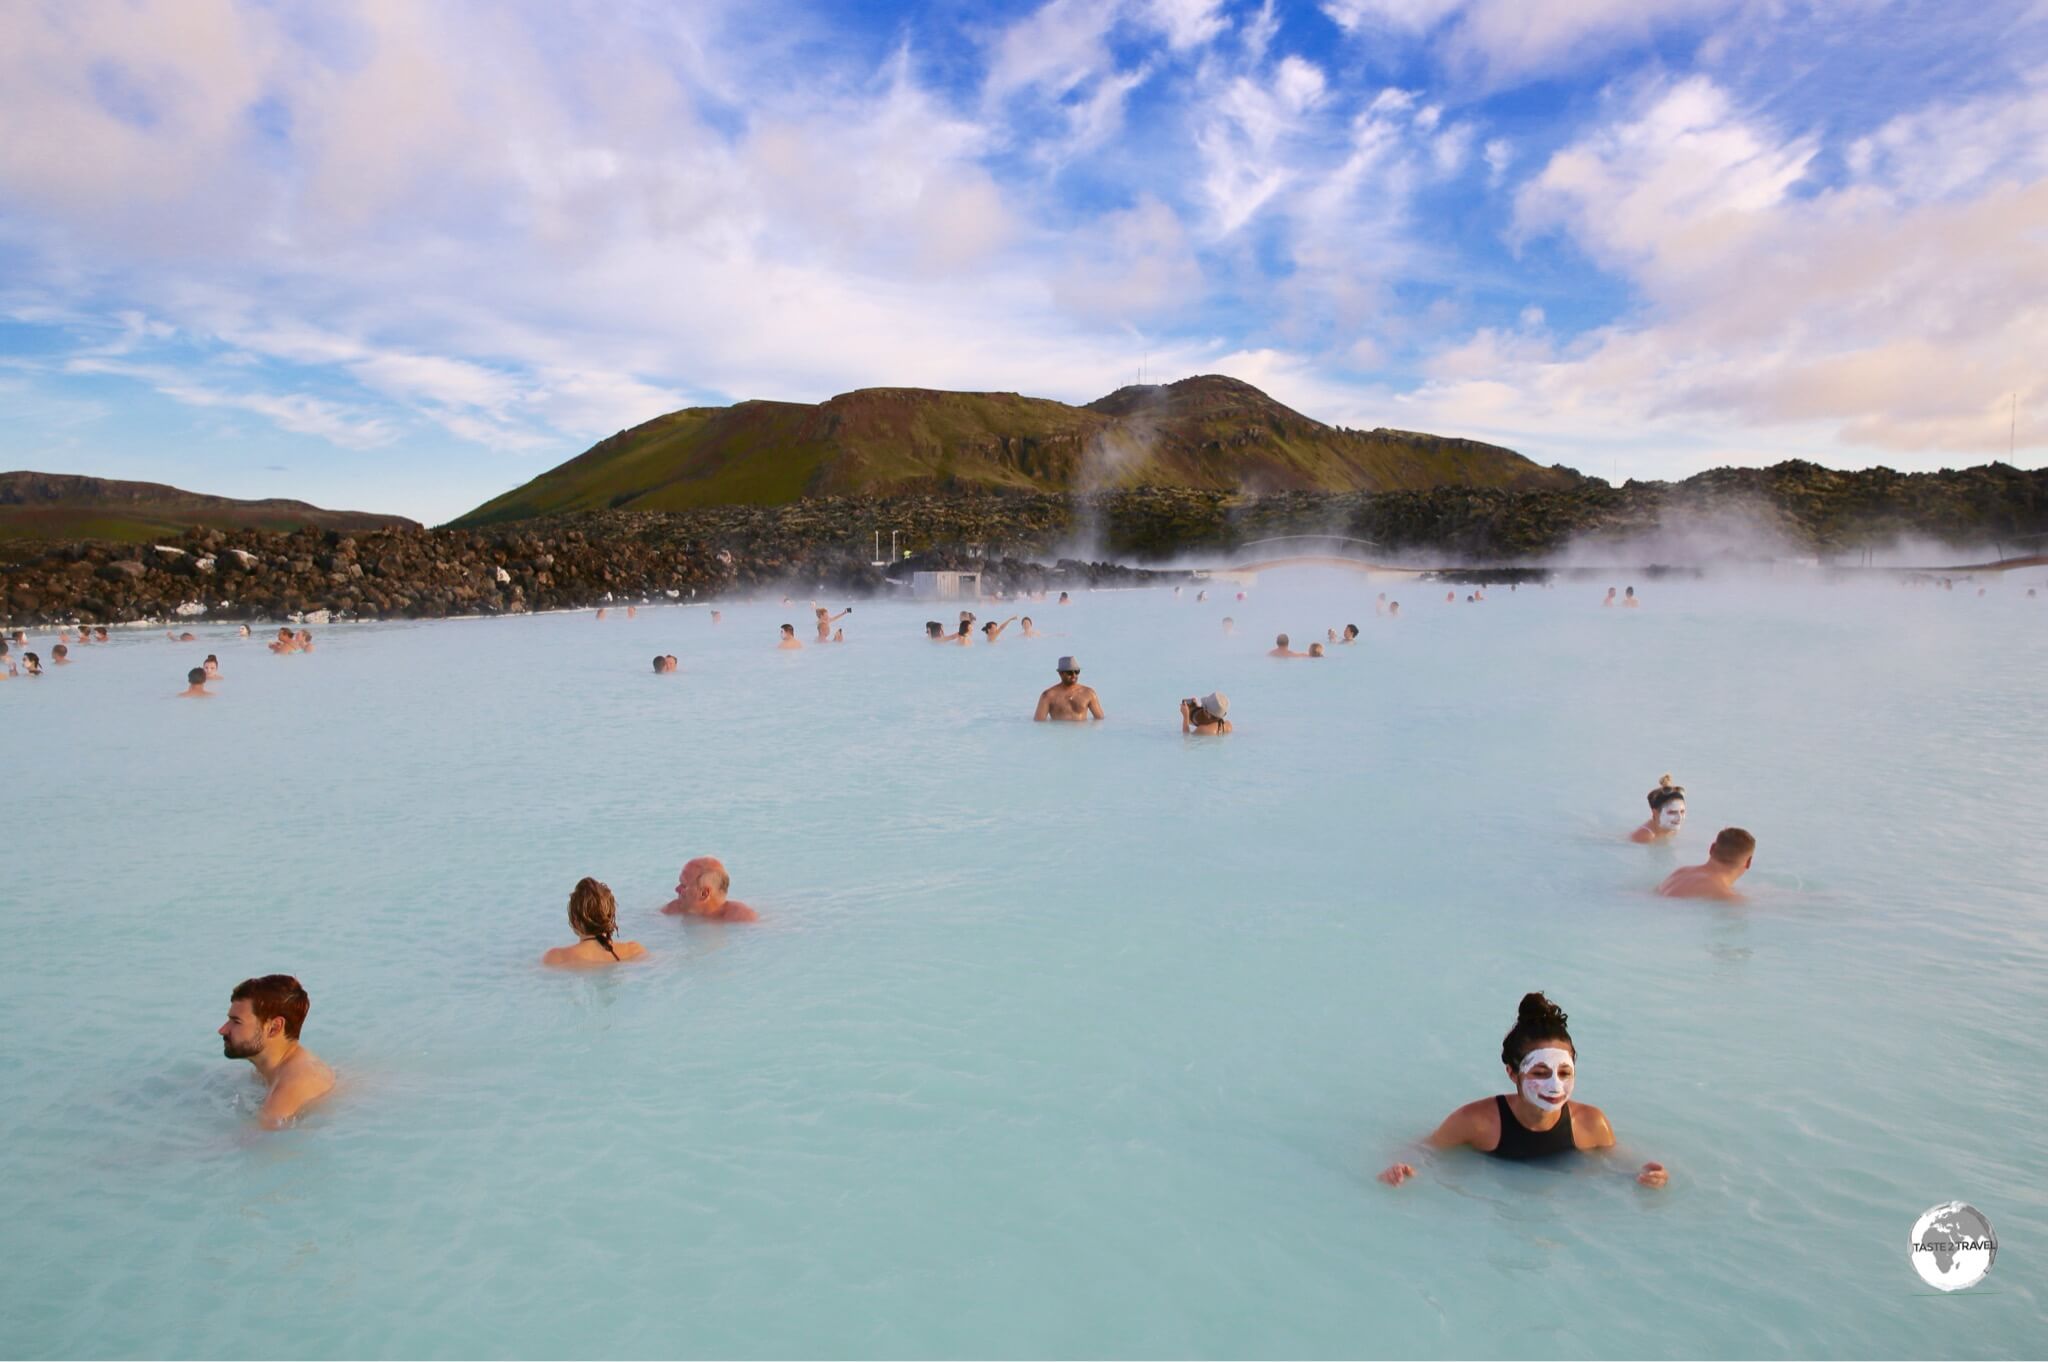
1553	1089
1671	815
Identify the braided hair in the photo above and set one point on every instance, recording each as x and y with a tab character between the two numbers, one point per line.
594	913
1537	1020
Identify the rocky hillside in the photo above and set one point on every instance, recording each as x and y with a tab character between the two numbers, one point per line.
1792	508
60	506
1209	432
584	557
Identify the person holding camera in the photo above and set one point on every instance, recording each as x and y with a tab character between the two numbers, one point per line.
826	619
1208	715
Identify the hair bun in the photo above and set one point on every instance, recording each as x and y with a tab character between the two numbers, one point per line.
1664	781
1540	1011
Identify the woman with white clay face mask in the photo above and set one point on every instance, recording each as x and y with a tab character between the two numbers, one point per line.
1540	1120
1667	813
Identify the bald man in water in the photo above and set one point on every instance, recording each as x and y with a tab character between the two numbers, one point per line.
1731	856
701	890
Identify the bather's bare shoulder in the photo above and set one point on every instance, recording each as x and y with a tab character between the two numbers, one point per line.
305	1081
1474	1124
1589	1127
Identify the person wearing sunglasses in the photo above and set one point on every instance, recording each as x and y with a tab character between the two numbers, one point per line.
1069	700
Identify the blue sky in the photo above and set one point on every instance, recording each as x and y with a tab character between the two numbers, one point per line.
404	256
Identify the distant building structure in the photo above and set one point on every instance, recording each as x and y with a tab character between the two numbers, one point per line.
945	586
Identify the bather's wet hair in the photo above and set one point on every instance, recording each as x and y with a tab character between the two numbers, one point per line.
1538	1020
934	629
1280	642
196	677
1351	631
593	912
275	995
789	629
1732	847
660	663
1665	792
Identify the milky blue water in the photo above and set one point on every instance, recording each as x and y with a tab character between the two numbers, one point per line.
1053	1040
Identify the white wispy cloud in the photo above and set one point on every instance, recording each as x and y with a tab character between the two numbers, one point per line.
1245	162
1131	267
1186	23
1900	310
321	218
1502	42
336	422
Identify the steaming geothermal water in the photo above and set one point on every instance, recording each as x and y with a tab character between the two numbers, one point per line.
1054	1040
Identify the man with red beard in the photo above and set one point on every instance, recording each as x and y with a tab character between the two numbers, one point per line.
264	1017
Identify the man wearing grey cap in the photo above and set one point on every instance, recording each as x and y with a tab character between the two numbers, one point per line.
1207	716
1069	699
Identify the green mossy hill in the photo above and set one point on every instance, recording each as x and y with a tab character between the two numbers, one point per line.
52	507
1208	432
